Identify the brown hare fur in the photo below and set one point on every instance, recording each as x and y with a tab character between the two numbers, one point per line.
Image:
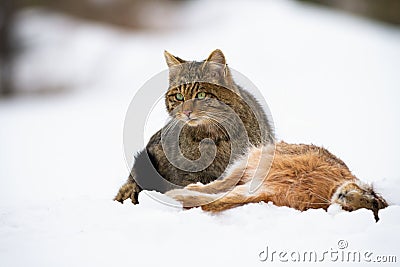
300	176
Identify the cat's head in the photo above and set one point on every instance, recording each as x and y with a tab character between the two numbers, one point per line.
199	91
211	70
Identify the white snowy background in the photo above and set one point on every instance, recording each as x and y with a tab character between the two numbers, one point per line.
329	78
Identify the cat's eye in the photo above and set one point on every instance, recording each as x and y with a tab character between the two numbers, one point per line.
201	95
179	96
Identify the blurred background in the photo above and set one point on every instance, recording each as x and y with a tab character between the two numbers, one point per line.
135	17
329	70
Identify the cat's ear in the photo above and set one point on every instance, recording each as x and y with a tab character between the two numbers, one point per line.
217	56
172	60
221	67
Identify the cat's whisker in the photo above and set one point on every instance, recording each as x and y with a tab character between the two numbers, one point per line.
226	113
217	120
170	125
216	124
210	123
225	124
221	117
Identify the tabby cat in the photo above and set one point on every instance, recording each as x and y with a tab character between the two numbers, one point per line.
212	122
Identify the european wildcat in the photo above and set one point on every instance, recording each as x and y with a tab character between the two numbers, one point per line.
213	121
301	177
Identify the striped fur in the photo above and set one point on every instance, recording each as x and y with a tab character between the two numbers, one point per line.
226	119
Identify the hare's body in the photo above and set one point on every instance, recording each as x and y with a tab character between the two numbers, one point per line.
297	176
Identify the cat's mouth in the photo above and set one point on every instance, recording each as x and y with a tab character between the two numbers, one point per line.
191	120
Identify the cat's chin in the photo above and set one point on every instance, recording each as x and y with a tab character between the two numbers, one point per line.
193	122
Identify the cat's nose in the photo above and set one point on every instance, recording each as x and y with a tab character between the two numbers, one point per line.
187	113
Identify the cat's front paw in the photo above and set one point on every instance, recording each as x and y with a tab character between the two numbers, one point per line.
128	190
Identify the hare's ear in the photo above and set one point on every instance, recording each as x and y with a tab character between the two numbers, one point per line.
172	60
216	56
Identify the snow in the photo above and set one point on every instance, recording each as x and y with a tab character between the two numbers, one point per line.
328	78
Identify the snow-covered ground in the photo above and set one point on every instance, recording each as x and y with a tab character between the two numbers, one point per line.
328	78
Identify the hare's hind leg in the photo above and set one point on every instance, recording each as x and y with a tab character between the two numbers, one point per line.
230	178
215	187
237	197
191	199
253	166
217	202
